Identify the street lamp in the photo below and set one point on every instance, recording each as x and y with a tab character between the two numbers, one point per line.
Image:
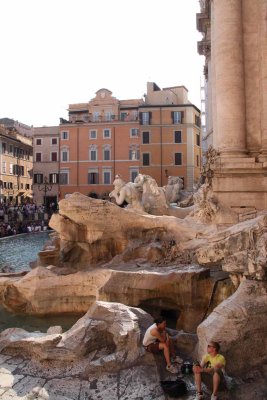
46	187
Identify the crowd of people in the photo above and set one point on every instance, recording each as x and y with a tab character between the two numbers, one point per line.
24	218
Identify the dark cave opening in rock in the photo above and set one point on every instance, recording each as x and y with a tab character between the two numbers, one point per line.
162	307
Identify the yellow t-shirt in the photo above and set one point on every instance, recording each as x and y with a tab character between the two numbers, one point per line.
210	362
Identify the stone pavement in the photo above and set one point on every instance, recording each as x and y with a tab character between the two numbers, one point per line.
22	379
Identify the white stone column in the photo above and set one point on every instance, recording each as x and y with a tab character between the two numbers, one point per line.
229	78
263	72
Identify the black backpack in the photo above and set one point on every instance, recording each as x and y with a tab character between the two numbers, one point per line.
174	388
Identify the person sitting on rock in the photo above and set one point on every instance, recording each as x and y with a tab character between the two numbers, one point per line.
212	364
156	339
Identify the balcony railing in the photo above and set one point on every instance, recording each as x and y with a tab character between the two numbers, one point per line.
102	118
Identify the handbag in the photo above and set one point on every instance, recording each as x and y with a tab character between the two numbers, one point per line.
174	388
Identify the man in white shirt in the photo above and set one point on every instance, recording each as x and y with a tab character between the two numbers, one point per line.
156	339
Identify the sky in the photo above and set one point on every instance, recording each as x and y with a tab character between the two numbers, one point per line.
58	52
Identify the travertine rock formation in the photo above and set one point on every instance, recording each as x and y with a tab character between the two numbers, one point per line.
109	332
185	291
240	325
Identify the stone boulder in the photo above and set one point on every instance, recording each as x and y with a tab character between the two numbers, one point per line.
239	324
108	336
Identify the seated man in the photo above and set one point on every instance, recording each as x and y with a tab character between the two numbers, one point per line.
156	339
212	364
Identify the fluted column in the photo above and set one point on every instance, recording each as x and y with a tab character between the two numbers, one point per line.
229	78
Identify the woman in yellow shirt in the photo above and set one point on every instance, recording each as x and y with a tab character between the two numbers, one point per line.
213	364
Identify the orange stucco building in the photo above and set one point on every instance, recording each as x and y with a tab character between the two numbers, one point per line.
158	136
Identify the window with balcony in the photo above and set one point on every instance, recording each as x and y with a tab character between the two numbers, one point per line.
96	116
123	116
178	158
177	137
145	137
146	158
38	157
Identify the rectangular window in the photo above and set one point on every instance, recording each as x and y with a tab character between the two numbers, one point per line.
4	167
64	177
133	174
197	160
27	186
38	157
38	142
53	178
64	135
177	137
106	134
93	155
10	149
4	183
11	168
124	115
197	121
177	117
198	139
4	148
134	132
93	134
93	178
54	156
106	177
108	115
146	159
134	154
96	116
145	118
106	154
64	155
54	141
38	178
178	159
145	137
21	185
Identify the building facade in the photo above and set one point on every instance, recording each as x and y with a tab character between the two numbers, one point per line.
235	45
159	136
46	165
16	163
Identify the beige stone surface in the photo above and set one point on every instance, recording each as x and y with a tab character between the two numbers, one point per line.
240	325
